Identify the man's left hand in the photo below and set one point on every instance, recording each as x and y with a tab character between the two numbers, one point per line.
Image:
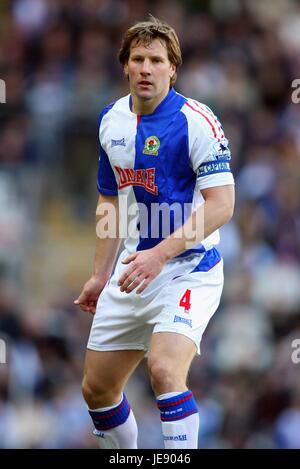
144	267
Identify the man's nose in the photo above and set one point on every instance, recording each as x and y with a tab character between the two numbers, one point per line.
145	67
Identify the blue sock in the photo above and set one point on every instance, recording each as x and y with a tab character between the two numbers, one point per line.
107	419
115	427
180	420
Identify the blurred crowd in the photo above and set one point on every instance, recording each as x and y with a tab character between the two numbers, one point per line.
58	59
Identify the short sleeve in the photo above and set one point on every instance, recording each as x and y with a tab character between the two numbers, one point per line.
106	181
209	148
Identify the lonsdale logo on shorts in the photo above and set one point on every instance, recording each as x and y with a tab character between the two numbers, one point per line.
151	145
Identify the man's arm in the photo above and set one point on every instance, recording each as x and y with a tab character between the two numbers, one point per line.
107	246
108	241
216	210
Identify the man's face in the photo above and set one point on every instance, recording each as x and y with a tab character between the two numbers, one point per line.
149	70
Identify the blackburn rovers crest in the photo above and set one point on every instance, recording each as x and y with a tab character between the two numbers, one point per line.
151	145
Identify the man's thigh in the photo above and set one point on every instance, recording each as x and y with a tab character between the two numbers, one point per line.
174	351
110	369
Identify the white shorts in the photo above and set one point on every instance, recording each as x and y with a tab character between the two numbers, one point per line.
178	300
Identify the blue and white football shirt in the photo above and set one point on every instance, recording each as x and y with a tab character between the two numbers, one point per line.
161	160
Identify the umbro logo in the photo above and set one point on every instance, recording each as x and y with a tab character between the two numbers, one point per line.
117	143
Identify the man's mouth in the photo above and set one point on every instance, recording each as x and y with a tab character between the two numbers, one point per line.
144	83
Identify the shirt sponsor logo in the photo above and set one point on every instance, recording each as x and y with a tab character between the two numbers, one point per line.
118	143
137	177
151	145
184	320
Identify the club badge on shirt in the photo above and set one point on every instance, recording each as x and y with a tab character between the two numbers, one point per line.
151	145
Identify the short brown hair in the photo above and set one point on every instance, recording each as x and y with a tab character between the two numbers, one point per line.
145	32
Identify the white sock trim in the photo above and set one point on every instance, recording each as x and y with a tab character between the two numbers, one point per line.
103	409
167	395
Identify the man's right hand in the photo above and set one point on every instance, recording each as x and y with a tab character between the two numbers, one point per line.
88	298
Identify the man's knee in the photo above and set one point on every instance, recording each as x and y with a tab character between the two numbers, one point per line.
165	376
97	394
90	390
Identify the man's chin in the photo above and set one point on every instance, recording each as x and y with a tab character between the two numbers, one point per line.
144	96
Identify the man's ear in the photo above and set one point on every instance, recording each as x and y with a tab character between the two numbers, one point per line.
125	68
172	70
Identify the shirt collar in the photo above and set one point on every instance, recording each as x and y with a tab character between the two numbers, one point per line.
161	105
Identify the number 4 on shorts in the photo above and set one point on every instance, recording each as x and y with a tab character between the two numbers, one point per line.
185	301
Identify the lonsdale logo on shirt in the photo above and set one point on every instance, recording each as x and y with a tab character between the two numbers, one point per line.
151	145
137	177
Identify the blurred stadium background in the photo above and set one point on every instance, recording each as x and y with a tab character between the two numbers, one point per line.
58	60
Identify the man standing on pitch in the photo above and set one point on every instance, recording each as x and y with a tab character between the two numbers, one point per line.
158	149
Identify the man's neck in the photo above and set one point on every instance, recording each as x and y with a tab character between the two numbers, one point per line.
147	106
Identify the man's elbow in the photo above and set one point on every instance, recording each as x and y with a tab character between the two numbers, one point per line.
228	212
228	203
